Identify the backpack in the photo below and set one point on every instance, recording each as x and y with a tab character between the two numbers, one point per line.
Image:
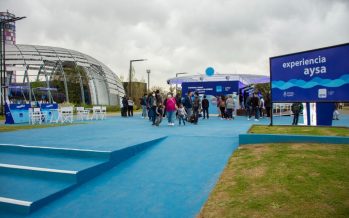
193	119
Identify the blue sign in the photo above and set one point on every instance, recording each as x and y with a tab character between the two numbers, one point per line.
51	111
16	113
320	75
211	88
209	71
19	113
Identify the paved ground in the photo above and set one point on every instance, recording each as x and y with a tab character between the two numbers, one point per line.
171	179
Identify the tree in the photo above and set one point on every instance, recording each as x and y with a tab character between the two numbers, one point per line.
172	89
264	88
162	91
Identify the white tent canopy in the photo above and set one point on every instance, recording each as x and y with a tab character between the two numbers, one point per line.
246	79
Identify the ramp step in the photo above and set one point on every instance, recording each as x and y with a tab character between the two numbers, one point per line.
28	180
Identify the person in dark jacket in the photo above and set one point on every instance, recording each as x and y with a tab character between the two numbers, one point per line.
124	106
158	96
267	103
152	107
159	111
196	108
188	103
178	102
241	100
205	105
222	107
143	102
246	98
296	109
255	103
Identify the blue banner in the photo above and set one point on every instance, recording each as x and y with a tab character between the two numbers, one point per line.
50	111
218	88
19	113
16	113
320	75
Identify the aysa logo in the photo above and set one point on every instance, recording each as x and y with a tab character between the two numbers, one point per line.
322	93
20	106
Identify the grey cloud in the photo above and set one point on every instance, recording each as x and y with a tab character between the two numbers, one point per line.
176	36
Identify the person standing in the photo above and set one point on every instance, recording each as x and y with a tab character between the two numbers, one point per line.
218	102
296	109
159	114
261	107
171	109
188	103
205	105
178	102
143	101
181	114
230	107
222	107
196	107
248	107
152	107
158	97
124	106
235	99
267	104
241	100
178	99
130	107
246	97
255	106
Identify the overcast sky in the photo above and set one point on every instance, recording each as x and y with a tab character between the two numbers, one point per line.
232	36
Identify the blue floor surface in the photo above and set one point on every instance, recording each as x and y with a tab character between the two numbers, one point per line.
16	187
173	178
47	161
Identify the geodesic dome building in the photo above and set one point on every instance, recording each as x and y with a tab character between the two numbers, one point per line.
60	75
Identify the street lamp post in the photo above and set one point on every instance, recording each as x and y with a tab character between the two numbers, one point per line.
129	81
176	80
148	72
3	64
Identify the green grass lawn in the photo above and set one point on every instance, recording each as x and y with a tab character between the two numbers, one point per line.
283	180
8	128
300	130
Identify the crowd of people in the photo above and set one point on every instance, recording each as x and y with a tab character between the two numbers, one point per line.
256	104
190	107
187	109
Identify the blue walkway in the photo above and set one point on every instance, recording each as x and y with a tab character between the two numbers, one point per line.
172	178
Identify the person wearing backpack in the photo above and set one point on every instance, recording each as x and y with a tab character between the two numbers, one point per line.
296	109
